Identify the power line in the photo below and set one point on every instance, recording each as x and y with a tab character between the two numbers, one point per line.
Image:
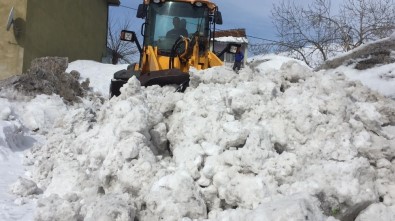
250	36
124	6
263	39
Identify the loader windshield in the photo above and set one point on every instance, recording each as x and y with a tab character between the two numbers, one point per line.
167	21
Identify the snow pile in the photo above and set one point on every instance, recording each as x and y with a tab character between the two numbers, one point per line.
373	64
381	79
262	145
47	76
99	74
269	62
23	121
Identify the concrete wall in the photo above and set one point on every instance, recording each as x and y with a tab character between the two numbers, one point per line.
11	42
72	28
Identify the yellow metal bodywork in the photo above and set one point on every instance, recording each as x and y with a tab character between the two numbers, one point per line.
152	61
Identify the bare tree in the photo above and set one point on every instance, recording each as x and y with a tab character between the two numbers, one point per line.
367	20
120	50
299	28
314	28
262	48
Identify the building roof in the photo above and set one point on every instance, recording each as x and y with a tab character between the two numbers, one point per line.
241	32
232	35
114	2
210	4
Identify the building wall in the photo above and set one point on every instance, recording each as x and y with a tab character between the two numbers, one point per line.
11	42
229	58
75	29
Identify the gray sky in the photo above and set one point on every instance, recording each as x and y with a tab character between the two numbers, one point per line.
253	15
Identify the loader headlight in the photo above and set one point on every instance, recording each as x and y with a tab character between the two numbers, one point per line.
128	36
156	1
198	4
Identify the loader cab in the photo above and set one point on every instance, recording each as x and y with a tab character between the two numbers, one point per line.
166	21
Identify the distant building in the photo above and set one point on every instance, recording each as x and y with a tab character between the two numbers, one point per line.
224	37
76	29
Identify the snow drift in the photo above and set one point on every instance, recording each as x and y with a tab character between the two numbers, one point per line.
272	144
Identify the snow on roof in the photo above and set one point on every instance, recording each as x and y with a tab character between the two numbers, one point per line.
231	35
232	39
231	32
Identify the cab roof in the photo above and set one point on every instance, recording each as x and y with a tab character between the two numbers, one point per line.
210	4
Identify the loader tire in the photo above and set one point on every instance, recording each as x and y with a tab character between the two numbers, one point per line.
120	78
115	87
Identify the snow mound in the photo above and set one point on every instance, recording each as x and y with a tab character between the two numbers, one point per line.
99	74
372	64
268	62
267	145
15	139
380	51
47	76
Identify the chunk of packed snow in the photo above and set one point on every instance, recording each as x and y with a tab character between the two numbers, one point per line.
378	212
25	187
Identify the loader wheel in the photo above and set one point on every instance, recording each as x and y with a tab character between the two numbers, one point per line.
182	87
115	87
120	78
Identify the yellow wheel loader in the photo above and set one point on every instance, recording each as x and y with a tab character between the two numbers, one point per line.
177	36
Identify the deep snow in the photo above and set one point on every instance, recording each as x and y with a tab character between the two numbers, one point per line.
275	142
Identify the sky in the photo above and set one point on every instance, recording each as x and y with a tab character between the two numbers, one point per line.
253	15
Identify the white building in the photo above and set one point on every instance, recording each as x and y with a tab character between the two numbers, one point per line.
224	37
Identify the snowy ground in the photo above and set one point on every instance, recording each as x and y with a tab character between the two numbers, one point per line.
275	142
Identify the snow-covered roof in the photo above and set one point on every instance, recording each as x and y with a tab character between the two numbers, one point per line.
232	39
231	35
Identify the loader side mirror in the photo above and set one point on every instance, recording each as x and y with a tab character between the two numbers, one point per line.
141	11
128	36
232	48
218	18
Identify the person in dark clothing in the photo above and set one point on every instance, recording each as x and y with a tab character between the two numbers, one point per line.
177	30
183	28
239	56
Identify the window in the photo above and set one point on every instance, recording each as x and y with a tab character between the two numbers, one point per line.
161	20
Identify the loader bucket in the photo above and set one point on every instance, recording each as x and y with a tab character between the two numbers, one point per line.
115	87
164	77
161	78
